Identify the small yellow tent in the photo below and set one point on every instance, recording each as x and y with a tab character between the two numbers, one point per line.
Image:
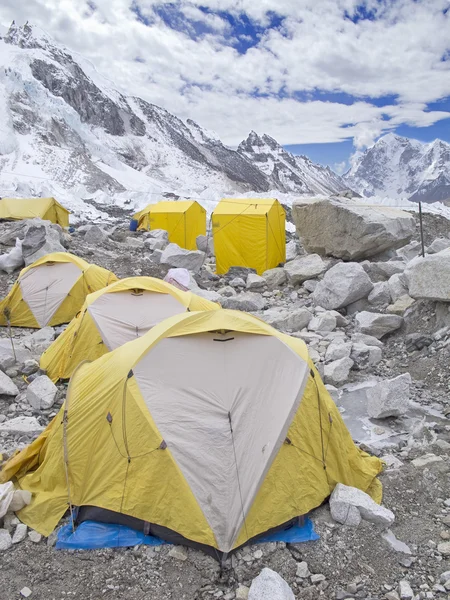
183	220
29	208
249	233
52	290
113	316
213	426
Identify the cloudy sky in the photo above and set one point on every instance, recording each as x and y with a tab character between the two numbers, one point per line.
323	77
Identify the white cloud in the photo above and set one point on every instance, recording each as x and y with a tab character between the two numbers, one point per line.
341	167
315	49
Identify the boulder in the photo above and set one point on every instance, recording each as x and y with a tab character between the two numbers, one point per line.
205	244
192	260
377	324
438	245
368	340
380	296
21	425
40	340
41	393
21	498
291	250
409	251
429	277
291	321
365	356
255	282
323	323
405	590
344	497
346	230
12	260
382	271
398	286
158	234
238	282
389	397
337	350
20	533
155	244
275	277
270	586
341	285
7	386
41	238
7	359
95	235
400	305
304	268
337	372
248	302
6	540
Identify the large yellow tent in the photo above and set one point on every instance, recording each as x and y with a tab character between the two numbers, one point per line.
183	220
213	426
249	232
52	290
29	208
113	316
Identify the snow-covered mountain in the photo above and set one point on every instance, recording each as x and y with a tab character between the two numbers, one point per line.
288	172
400	167
62	122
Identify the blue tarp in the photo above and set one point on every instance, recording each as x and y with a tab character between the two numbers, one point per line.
92	535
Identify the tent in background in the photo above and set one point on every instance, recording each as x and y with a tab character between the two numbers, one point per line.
52	290
29	208
209	430
183	220
113	316
249	232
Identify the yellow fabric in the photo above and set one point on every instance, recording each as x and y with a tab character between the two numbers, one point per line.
29	208
249	233
92	278
183	221
82	341
150	486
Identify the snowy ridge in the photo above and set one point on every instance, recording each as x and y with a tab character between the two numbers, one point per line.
400	167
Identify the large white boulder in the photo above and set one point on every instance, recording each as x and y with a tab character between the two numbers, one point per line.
294	320
341	285
337	372
41	238
344	497
7	386
173	255
429	277
275	277
270	586
345	229
21	425
303	268
248	302
377	324
41	393
389	397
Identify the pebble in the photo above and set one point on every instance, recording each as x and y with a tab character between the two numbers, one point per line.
25	592
405	590
444	548
317	578
258	554
242	592
20	533
302	570
34	536
178	552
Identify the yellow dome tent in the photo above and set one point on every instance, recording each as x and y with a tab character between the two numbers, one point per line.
29	208
183	220
52	290
249	232
113	316
209	430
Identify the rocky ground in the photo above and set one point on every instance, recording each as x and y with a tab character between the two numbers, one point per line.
366	322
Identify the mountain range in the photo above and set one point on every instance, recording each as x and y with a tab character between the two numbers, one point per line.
62	122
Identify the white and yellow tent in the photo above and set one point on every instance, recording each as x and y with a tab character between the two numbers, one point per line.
113	316
210	430
249	232
29	208
52	290
184	220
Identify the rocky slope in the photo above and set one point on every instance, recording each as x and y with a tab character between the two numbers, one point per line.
400	167
63	122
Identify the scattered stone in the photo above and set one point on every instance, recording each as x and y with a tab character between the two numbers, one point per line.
392	462
204	244
192	260
304	268
345	230
238	282
302	570
389	397
337	350
275	278
270	586
429	277
365	356
344	497
444	548
255	282
392	596
248	302
7	386
426	459
21	425
438	245
405	590
377	324
40	340
341	285
41	393
95	235
317	578
325	322
380	295
337	372
291	250
179	552
400	305
34	536
25	592
21	498
394	543
242	592
367	340
19	534
5	540
41	238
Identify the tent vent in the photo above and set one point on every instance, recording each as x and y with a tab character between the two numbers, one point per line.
227	340
109	418
163	445
130	374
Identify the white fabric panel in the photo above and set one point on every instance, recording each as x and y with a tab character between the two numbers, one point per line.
123	316
192	383
44	288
